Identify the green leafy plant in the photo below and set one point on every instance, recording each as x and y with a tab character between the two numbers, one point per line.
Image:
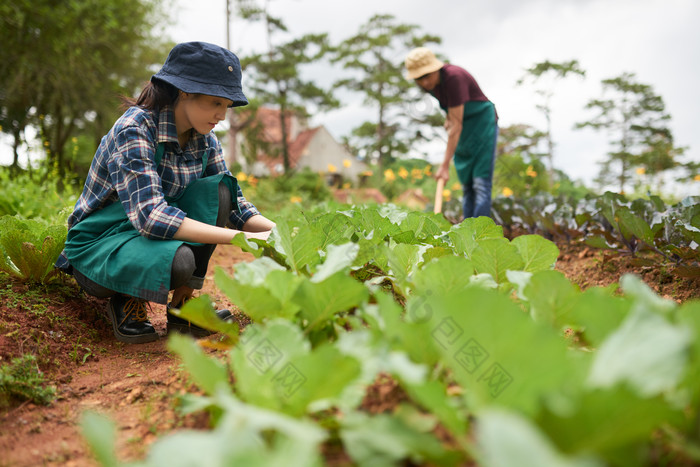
470	325
28	248
648	229
38	194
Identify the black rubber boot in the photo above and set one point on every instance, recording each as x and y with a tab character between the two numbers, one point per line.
129	319
177	324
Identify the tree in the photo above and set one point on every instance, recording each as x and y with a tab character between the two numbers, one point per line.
275	75
636	118
376	56
64	65
554	72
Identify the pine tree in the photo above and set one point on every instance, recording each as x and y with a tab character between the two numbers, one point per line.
636	119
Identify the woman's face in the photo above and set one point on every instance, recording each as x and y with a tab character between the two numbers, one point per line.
200	112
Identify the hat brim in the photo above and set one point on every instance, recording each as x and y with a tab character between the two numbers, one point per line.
232	93
424	70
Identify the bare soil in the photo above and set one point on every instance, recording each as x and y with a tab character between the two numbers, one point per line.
137	385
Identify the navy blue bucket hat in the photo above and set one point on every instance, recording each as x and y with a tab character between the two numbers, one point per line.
203	68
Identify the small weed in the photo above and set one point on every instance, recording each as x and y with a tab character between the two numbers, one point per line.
79	348
21	379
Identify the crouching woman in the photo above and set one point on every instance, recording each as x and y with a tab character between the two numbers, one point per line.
158	197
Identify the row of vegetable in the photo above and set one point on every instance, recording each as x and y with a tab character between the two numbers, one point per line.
648	229
501	359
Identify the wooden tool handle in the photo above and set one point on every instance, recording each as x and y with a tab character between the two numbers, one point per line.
438	195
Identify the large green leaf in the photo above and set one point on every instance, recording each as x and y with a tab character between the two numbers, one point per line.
442	275
200	312
413	337
383	440
299	245
538	253
495	256
466	235
100	433
600	422
506	439
261	297
338	258
498	354
319	301
635	225
432	395
244	435
551	296
403	262
275	368
597	313
646	351
207	372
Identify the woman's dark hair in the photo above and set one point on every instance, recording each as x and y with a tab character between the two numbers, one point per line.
154	96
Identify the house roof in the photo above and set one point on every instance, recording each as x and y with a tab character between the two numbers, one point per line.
270	121
272	132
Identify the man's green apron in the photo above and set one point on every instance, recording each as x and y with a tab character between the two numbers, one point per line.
474	154
107	249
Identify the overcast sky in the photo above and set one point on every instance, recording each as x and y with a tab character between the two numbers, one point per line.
496	40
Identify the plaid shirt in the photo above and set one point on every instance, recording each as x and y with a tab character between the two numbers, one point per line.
123	169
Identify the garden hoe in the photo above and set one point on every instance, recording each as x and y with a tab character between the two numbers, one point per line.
438	196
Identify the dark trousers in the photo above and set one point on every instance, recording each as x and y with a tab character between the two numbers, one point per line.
189	263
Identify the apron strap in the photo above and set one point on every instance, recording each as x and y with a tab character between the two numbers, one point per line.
160	150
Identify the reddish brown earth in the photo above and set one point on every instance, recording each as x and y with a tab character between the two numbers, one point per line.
137	385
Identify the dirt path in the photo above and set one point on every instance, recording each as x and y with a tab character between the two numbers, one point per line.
135	385
132	384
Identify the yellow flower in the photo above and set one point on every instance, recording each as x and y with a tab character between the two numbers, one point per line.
456	186
346	185
389	175
403	173
416	174
75	140
253	181
332	169
295	199
46	144
530	172
507	192
241	177
428	170
446	194
697	178
347	163
641	171
367	173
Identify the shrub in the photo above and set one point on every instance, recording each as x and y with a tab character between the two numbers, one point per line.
29	248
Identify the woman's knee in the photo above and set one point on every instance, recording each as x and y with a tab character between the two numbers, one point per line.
183	266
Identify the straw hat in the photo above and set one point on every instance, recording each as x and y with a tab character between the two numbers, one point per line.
421	61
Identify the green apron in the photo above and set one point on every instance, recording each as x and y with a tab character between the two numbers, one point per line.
107	249
475	148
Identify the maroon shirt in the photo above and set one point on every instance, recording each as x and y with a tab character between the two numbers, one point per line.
456	87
